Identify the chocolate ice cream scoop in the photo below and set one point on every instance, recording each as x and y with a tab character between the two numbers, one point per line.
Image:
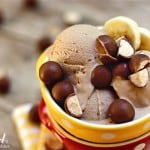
75	46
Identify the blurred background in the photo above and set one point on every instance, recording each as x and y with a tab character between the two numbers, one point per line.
27	27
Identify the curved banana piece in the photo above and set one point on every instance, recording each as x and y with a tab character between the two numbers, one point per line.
145	39
123	26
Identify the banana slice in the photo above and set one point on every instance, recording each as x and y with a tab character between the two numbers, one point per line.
123	26
100	27
145	38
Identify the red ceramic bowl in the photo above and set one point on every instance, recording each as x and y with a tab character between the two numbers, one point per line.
73	143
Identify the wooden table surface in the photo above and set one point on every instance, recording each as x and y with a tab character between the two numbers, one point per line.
23	28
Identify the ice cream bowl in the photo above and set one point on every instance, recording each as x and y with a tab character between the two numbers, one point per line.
97	133
72	143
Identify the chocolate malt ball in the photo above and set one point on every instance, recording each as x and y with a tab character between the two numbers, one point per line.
4	84
34	115
121	70
1	17
31	3
61	90
50	73
121	111
43	43
101	77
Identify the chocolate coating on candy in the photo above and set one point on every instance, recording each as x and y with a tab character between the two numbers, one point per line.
106	45
61	90
1	17
50	73
121	111
31	3
72	106
34	115
138	62
101	77
43	43
108	59
121	70
4	84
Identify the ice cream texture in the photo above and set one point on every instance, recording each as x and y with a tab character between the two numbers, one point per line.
75	50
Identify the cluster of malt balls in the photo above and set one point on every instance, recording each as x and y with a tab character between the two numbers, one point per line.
116	63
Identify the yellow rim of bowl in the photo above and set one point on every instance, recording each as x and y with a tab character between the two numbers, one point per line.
66	134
